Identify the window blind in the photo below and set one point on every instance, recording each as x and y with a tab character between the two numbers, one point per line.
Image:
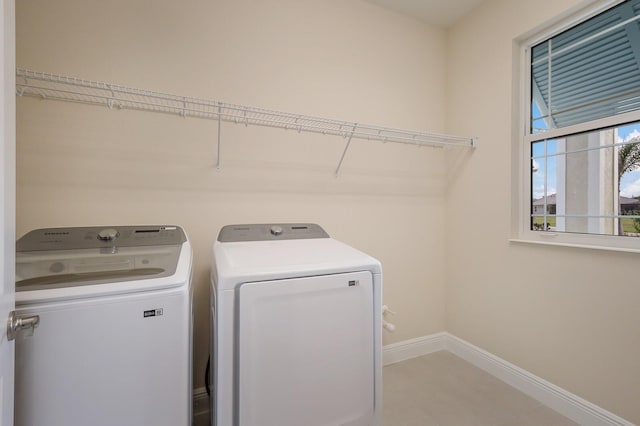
588	72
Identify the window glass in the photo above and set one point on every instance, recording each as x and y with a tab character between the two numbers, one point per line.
587	183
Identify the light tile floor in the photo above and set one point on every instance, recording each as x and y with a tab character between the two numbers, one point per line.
441	389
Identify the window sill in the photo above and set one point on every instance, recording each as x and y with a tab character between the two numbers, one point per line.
574	245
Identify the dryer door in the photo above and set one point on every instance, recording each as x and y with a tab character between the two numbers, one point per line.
306	351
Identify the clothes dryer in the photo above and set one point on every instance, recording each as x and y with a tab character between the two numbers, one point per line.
113	341
296	320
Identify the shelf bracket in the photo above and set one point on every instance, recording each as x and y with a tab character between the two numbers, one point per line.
110	101
219	141
353	130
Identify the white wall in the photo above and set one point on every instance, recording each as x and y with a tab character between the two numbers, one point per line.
568	315
82	165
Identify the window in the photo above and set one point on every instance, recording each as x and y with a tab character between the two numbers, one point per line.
581	152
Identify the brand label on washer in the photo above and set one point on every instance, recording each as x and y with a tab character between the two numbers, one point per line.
353	283
153	313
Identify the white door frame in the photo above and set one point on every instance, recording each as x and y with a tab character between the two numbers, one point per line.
7	204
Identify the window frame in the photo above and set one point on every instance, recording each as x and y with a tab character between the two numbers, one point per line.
523	137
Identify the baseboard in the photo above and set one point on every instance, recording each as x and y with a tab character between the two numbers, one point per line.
407	349
564	402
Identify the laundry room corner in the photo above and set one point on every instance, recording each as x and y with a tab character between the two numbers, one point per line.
82	165
559	312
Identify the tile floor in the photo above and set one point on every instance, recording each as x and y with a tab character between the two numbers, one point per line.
441	389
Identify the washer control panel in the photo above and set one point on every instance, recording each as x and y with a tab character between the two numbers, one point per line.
100	237
271	232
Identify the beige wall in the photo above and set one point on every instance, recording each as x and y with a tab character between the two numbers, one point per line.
568	315
82	165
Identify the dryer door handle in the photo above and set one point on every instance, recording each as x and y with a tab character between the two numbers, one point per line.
16	323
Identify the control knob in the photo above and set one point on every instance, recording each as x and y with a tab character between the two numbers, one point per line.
108	234
276	230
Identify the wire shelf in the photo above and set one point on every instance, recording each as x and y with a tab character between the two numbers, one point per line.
71	89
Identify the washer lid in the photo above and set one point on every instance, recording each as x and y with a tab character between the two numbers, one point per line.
71	257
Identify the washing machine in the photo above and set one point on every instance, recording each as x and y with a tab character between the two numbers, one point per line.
107	324
296	321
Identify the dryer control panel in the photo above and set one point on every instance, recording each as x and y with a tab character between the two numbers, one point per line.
271	232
